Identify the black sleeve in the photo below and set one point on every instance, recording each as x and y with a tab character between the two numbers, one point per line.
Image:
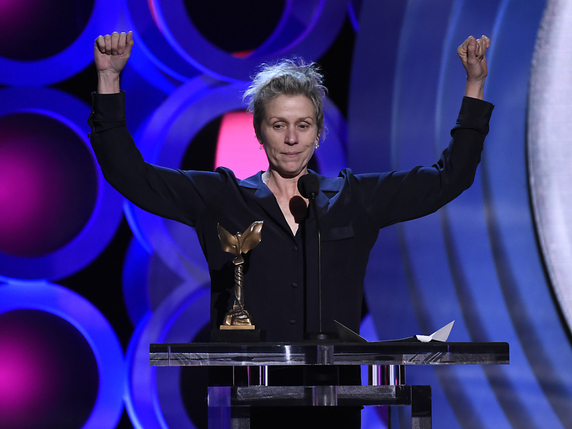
172	193
404	195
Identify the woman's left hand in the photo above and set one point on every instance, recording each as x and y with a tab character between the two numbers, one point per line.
472	55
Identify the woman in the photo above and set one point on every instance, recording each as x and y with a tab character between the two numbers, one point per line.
286	100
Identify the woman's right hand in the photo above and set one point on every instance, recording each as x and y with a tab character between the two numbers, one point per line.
111	53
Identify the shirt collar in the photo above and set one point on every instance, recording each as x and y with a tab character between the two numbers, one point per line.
329	189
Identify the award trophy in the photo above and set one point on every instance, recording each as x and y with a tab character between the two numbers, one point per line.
238	318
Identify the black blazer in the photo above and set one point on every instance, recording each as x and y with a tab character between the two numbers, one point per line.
281	272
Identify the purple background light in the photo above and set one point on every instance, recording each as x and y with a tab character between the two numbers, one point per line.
46	41
70	346
46	369
56	24
58	133
48	184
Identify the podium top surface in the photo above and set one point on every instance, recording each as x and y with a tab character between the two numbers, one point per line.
308	353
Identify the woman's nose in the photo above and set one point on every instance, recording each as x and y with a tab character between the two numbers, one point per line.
291	137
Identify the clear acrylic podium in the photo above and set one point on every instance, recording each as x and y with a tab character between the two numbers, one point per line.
229	405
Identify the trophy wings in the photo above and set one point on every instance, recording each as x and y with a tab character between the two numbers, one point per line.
251	237
240	243
229	242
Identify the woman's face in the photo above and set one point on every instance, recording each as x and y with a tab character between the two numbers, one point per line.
289	132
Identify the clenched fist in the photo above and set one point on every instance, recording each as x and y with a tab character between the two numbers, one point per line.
111	53
472	55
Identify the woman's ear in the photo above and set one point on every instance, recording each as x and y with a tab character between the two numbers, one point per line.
257	134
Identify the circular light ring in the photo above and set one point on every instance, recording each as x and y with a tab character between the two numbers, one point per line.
174	124
48	184
71	60
320	22
178	319
154	47
107	213
46	369
95	329
56	24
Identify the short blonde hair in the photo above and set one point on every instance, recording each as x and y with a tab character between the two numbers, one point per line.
287	76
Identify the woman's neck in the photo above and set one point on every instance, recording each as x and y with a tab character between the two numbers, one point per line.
279	185
291	203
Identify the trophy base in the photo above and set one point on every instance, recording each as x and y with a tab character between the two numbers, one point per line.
238	335
237	327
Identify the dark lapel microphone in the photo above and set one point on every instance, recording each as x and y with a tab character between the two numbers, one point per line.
309	186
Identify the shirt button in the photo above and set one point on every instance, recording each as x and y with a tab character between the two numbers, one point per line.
295	248
292	322
294	285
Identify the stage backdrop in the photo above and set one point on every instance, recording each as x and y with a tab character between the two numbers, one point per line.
87	280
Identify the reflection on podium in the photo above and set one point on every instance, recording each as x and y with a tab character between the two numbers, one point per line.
229	406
